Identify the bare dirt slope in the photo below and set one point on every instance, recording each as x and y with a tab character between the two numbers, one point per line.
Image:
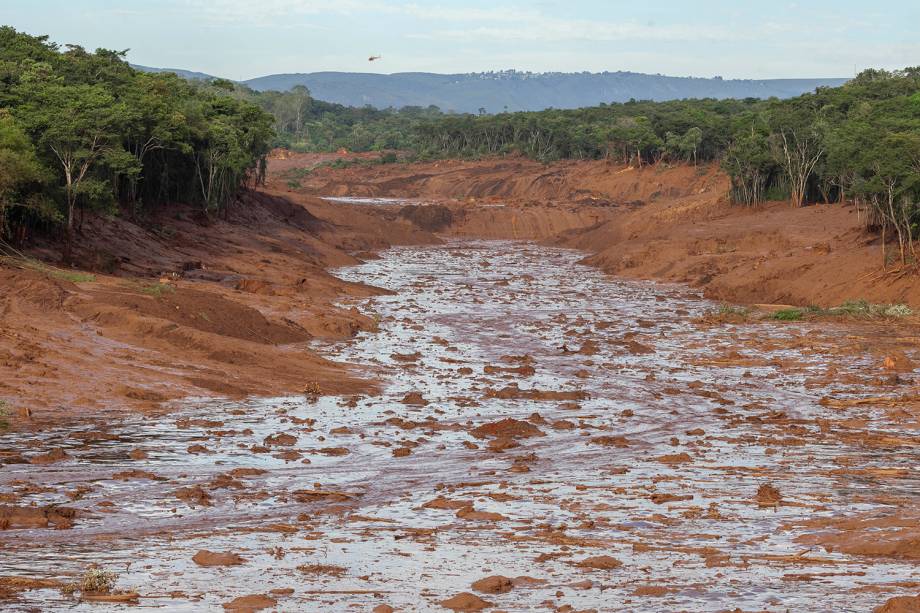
181	306
657	222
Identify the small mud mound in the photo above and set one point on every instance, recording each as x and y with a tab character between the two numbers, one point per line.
507	428
15	517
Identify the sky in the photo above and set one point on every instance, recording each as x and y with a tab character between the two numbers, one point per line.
240	39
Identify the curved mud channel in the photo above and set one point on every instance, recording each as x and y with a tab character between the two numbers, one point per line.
643	433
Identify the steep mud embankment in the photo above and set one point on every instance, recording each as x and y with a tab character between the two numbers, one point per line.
670	224
182	306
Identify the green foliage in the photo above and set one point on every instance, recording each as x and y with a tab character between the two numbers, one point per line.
788	315
158	290
83	130
4	415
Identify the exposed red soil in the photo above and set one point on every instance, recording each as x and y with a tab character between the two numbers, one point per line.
656	222
185	306
240	297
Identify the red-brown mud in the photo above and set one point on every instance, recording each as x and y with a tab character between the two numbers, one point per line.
464	425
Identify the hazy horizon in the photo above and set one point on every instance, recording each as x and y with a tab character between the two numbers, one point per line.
239	40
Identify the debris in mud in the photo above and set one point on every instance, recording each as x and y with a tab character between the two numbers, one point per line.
666	498
443	503
507	428
606	440
14	517
513	392
469	513
250	603
600	563
194	495
675	458
51	457
322	569
414	399
466	601
314	495
768	496
496	584
212	558
281	438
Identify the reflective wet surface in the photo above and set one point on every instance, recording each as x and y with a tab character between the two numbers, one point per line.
700	454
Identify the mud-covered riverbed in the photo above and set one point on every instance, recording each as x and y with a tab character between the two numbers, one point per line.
599	443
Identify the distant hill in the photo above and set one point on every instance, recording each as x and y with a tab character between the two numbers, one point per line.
523	91
185	74
517	91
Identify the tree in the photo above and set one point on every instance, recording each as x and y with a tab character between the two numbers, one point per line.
78	125
22	176
797	144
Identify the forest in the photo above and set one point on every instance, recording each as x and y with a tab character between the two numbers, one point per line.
84	131
858	143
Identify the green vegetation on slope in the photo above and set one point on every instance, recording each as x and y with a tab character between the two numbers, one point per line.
84	130
81	130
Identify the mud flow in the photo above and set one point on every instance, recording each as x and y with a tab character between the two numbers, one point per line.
598	444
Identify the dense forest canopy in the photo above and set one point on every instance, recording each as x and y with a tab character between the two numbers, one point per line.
81	130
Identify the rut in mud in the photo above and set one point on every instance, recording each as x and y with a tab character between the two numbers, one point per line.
597	442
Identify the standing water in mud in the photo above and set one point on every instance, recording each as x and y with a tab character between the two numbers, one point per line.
590	442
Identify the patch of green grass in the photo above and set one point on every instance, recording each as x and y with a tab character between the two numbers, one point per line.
863	308
294	184
788	315
157	290
4	415
74	276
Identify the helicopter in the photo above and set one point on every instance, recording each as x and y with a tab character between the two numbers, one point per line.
374	58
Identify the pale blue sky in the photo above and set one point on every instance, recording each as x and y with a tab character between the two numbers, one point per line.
247	38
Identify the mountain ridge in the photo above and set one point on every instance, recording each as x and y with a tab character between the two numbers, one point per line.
512	90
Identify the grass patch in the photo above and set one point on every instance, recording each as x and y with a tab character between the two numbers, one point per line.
5	412
862	308
859	309
74	276
788	315
157	290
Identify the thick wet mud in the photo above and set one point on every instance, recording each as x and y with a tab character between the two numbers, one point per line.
599	443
